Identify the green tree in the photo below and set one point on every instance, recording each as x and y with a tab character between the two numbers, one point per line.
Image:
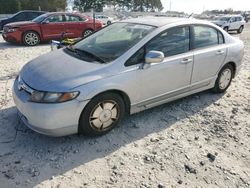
9	6
87	5
45	5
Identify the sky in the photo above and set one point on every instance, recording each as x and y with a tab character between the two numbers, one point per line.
197	6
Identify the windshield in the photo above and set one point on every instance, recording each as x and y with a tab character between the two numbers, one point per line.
224	19
114	40
39	18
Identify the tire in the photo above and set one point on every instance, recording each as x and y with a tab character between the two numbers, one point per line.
224	79
109	22
31	38
101	114
240	29
87	32
226	29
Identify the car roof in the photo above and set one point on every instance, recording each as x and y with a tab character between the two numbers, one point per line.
226	16
67	13
33	11
162	21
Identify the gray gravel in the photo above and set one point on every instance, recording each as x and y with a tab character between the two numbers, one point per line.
199	141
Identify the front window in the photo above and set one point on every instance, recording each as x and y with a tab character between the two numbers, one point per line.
224	19
39	19
171	42
114	40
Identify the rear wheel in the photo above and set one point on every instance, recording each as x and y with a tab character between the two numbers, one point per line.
224	79
87	32
31	38
240	29
102	114
109	22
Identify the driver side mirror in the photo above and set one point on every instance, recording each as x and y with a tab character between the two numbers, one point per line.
154	57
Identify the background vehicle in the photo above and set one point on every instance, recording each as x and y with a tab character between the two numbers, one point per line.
104	19
126	67
50	26
231	23
26	15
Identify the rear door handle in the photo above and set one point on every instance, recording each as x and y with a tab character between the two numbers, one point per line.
220	52
186	60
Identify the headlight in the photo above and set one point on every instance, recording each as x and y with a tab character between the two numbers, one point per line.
11	30
52	97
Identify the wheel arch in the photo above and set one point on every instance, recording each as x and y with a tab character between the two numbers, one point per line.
122	94
233	65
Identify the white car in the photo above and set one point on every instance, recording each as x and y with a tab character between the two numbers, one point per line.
231	23
104	19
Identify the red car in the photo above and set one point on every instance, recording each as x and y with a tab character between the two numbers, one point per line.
50	26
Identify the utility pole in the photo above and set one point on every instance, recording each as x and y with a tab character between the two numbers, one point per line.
170	5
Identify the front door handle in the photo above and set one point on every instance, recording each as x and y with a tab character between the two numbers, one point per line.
186	60
220	52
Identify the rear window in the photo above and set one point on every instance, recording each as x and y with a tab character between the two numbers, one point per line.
72	18
205	36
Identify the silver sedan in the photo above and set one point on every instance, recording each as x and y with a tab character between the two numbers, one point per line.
124	68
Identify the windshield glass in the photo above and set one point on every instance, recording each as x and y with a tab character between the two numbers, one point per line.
39	18
114	40
224	19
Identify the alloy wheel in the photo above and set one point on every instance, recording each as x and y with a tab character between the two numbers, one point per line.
31	39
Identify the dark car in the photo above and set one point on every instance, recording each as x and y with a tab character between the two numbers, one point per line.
50	26
26	15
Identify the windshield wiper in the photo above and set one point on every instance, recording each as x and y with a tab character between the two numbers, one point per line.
88	53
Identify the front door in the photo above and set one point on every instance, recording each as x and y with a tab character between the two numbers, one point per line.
160	81
53	27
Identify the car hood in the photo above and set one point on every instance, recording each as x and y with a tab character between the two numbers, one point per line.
59	72
18	24
3	19
218	22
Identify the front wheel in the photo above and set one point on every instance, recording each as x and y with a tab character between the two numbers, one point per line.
31	38
101	114
226	29
240	29
224	79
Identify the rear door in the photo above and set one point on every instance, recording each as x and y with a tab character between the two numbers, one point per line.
74	26
209	54
53	27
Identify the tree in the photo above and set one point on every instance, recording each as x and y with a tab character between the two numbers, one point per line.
87	5
45	5
10	6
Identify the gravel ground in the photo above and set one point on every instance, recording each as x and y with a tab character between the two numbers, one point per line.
199	141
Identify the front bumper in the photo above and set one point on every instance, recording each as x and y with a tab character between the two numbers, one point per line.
13	37
59	119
